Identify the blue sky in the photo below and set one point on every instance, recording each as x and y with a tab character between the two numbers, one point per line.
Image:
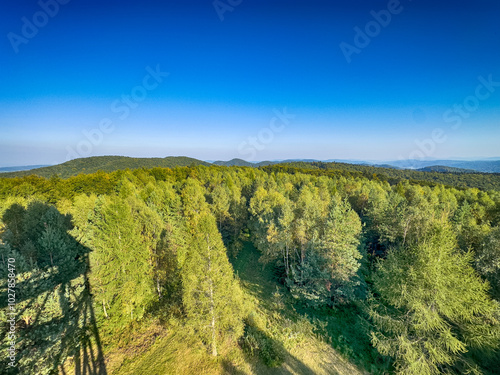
91	79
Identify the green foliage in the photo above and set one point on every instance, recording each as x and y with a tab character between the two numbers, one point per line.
212	298
484	181
122	271
488	261
340	247
432	308
313	237
258	343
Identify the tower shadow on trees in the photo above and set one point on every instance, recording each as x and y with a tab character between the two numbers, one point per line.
56	325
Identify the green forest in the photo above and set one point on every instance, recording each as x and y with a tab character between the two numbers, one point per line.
304	268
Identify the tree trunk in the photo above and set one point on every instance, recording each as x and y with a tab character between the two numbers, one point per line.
212	304
104	307
286	261
212	325
302	258
158	286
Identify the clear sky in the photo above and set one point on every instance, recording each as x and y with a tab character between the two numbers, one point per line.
255	79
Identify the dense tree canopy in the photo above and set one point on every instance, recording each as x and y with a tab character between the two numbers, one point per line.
418	263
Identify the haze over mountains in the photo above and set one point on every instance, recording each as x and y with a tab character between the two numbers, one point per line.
21	168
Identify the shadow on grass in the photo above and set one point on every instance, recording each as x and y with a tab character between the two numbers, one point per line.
229	368
54	314
268	356
265	354
347	331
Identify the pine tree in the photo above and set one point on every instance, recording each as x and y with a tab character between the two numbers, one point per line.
212	298
121	263
432	308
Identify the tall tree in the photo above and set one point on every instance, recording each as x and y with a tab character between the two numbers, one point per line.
212	298
432	308
340	246
122	270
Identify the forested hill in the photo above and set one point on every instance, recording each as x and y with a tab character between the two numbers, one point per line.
483	181
445	169
106	164
242	163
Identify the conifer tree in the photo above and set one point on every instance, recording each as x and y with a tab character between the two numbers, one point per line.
122	271
433	308
212	298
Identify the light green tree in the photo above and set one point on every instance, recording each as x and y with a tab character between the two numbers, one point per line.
432	307
212	298
121	260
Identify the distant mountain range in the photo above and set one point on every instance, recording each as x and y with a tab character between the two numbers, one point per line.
242	163
487	166
444	169
112	163
491	165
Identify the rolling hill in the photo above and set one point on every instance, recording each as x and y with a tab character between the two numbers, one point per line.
445	169
243	163
106	164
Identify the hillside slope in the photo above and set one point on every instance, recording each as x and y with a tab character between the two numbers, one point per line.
106	164
445	169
